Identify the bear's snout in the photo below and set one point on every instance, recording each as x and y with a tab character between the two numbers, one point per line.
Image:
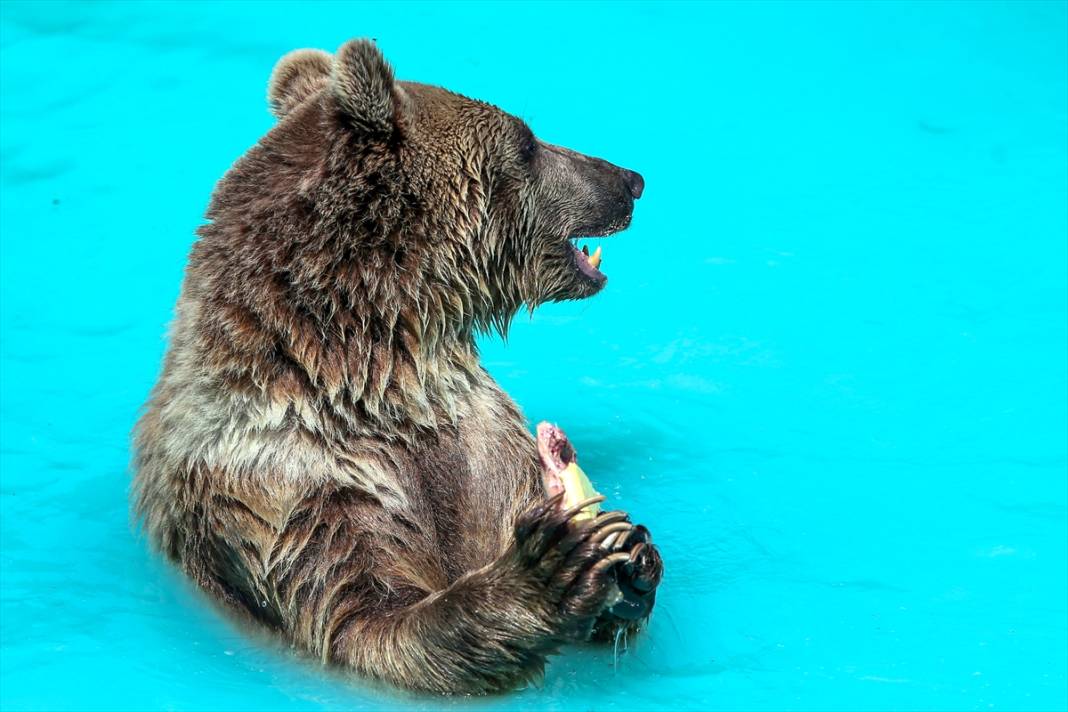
634	182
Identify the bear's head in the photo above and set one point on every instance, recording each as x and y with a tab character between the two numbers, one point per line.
439	194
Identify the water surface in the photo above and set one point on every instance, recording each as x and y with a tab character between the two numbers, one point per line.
828	372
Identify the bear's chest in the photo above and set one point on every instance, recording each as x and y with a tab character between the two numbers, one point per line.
476	479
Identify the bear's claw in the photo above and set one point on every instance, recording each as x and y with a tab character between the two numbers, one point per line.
576	509
639	576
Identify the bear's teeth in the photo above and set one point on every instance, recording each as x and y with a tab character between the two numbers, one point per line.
595	258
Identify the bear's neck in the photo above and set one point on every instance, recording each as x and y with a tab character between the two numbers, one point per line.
362	364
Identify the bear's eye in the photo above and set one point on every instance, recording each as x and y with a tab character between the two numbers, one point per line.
528	147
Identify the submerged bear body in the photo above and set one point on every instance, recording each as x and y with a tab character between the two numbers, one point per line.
323	451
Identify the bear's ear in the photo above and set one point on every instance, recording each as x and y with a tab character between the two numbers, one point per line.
296	77
362	81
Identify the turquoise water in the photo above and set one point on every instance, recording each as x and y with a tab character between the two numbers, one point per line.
828	372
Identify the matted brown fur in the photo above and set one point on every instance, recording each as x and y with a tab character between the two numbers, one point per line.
323	451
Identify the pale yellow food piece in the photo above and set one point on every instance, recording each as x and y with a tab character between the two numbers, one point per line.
577	487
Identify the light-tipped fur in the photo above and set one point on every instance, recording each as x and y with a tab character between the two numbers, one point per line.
296	77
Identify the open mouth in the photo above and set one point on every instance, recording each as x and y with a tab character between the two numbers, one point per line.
589	263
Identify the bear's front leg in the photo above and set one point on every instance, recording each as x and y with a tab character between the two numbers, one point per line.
347	595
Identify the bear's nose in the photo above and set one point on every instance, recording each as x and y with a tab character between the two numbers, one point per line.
635	183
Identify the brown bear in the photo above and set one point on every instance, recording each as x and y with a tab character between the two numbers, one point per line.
323	451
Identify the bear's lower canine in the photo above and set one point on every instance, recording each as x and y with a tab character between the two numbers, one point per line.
323	451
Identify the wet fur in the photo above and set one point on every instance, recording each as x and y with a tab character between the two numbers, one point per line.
323	451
